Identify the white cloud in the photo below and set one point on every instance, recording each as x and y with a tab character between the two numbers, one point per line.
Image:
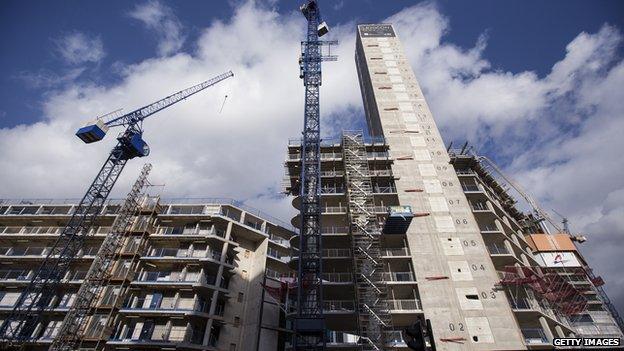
562	132
159	18
78	48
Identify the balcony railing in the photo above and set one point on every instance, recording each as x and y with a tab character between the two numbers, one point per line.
334	230
168	276
534	336
405	304
279	240
399	276
479	206
338	306
338	277
18	275
384	190
496	249
471	187
400	251
337	253
332	190
394	337
341	337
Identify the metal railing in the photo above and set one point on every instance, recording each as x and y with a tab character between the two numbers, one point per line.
471	187
399	276
534	336
399	251
336	277
495	249
338	306
334	230
336	252
479	206
405	304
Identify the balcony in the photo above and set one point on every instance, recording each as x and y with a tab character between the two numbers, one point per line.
534	336
395	338
471	188
168	277
182	231
405	305
395	252
523	303
325	190
497	249
279	240
338	306
271	252
336	253
479	206
338	278
399	277
334	230
384	189
15	275
341	338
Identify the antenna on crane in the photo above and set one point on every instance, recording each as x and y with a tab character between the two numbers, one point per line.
19	326
564	221
223	104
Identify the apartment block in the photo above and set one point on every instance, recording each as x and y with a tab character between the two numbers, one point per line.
411	232
188	276
576	304
457	284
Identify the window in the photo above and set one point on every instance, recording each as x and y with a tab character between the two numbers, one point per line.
236	321
240	297
9	298
160	332
177	333
51	330
186	303
232	347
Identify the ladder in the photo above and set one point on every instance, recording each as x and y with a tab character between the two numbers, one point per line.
73	326
371	291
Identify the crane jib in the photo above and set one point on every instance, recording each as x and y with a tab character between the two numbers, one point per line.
20	326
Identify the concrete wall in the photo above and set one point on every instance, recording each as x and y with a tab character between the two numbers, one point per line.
427	182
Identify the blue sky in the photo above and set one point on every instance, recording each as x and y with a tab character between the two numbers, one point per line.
535	85
522	35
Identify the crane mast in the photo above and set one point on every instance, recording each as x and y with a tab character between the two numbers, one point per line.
45	283
72	327
309	322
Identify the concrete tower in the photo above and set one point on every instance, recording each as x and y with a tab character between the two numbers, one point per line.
455	275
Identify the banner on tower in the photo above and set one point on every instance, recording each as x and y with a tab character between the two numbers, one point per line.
376	30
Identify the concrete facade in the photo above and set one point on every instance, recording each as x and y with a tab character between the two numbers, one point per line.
188	276
452	277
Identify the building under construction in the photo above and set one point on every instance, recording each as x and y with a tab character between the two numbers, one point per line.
400	243
187	274
415	233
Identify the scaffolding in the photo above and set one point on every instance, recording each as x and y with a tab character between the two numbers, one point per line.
72	329
551	286
374	317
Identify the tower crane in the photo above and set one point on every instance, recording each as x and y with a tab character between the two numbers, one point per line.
44	285
309	325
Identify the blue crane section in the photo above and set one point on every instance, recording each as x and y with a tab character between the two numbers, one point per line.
309	326
18	328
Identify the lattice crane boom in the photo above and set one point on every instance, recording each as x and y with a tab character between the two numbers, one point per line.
309	322
541	214
45	283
